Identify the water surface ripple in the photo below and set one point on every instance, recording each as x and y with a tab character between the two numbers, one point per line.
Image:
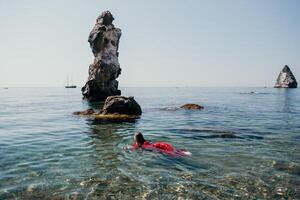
244	145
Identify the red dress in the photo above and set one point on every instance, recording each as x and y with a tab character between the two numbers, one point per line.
162	147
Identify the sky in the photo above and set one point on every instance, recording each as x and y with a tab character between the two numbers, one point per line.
164	43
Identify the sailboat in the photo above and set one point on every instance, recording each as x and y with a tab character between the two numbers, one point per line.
70	86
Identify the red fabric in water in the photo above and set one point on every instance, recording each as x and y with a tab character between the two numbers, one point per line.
162	147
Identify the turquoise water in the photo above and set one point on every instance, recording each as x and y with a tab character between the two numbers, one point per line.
244	146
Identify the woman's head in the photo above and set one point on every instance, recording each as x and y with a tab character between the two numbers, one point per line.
139	138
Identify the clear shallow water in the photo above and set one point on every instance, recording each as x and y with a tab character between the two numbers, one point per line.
244	146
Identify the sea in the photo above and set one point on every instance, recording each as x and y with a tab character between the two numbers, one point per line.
244	144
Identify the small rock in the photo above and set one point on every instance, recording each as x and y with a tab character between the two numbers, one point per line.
192	107
121	105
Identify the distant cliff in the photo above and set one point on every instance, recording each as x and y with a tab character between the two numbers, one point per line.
104	42
286	79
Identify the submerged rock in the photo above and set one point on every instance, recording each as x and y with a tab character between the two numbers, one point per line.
289	167
169	109
89	111
286	79
115	117
104	42
121	105
192	107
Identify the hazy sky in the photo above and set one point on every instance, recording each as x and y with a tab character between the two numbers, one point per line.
164	43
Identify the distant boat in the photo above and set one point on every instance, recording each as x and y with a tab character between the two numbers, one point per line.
70	86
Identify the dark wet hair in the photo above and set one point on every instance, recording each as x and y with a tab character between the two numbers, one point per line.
139	138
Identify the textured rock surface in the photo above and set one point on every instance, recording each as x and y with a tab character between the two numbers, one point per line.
286	79
121	105
104	42
192	107
115	117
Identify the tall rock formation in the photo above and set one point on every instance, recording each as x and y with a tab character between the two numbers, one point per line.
104	42
286	79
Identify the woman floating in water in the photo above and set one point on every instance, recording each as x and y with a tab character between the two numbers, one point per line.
162	147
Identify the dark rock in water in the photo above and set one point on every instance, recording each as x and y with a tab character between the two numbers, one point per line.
286	79
121	105
86	112
116	109
104	42
192	107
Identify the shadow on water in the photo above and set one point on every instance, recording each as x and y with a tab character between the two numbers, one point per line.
201	134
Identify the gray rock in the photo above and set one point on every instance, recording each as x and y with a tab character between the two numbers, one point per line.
104	42
121	105
286	79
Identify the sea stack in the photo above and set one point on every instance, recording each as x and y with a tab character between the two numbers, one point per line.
286	79
104	42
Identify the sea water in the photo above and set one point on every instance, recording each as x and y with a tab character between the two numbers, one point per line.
244	145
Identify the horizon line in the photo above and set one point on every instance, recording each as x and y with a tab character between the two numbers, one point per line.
265	86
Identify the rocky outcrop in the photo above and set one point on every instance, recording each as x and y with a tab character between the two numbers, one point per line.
286	79
116	108
104	42
192	107
121	105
